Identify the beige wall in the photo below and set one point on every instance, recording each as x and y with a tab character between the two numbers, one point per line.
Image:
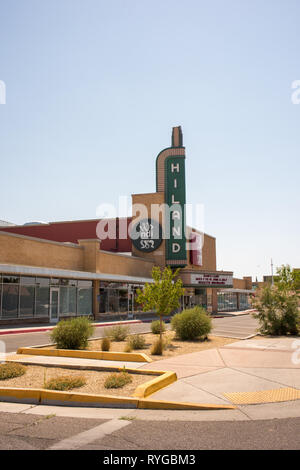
21	250
245	283
122	264
18	249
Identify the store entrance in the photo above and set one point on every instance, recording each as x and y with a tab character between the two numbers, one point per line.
195	297
54	304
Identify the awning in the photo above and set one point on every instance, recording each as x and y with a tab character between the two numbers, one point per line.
64	273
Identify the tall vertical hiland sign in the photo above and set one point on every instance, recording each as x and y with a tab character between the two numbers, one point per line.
170	180
175	200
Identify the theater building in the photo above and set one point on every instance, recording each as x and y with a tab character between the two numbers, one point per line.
56	270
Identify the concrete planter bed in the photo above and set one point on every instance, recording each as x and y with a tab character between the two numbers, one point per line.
176	347
36	377
30	388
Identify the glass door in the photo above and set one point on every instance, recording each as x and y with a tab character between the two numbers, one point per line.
54	304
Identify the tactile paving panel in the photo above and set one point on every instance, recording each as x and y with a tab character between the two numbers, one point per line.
263	396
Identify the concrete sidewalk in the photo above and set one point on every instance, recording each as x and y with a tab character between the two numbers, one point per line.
262	369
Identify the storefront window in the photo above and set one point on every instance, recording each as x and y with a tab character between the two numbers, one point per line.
27	300
113	300
227	301
29	297
10	301
85	301
123	298
67	300
42	301
72	300
117	297
103	303
244	301
64	300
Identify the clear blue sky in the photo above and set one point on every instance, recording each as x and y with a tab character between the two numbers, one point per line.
94	88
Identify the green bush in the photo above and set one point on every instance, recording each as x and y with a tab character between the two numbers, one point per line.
105	344
277	311
136	342
191	324
11	370
65	383
155	327
73	333
117	380
117	332
158	347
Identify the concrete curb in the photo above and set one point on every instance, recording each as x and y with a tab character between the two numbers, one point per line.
49	397
148	388
99	355
174	405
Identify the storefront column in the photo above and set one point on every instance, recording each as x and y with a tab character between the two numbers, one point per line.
96	298
214	300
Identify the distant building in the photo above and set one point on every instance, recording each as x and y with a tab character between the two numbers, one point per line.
4	223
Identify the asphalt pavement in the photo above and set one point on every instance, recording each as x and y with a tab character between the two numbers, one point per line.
237	327
19	431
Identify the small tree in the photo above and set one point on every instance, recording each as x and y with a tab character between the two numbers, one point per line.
277	305
163	295
287	279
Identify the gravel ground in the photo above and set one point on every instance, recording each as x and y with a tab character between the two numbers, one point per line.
175	348
36	376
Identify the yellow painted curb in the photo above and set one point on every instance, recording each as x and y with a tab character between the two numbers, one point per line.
26	360
20	393
54	395
176	405
161	380
100	355
45	396
146	389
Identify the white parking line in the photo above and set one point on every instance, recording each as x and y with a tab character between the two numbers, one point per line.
86	437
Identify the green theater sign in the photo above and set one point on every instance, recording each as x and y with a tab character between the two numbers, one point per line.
170	179
175	200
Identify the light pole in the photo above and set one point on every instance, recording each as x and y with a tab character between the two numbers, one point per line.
272	277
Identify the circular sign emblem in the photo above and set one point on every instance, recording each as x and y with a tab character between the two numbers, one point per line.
146	235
